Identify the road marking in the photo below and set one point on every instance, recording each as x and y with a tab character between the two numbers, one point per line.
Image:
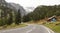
31	29
34	27
47	29
50	31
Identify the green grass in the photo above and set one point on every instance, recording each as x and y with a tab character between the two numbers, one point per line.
12	26
54	26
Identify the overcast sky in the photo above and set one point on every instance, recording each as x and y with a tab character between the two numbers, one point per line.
35	3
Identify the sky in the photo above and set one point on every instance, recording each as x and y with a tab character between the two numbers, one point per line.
35	3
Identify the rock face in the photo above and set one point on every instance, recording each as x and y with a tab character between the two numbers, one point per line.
13	6
17	7
2	3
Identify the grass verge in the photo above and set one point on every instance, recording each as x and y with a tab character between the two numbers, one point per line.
12	26
55	26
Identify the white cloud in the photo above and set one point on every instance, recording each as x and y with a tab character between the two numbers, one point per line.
34	3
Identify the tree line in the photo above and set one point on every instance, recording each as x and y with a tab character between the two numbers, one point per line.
42	12
9	16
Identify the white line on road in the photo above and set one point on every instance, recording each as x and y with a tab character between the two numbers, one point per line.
31	29
49	31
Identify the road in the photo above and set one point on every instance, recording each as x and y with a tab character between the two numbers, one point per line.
29	29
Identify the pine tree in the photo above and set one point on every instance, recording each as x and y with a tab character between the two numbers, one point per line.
18	17
10	20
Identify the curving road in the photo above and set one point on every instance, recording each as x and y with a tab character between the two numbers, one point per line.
29	29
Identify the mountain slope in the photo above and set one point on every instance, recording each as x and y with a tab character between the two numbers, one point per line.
13	6
17	7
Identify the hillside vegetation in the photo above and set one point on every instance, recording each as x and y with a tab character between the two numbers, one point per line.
42	12
9	16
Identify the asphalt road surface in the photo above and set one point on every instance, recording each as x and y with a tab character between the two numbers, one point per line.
29	29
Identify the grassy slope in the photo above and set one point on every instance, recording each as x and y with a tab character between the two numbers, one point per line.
55	26
13	26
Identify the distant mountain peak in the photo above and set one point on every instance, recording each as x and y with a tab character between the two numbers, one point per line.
29	9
